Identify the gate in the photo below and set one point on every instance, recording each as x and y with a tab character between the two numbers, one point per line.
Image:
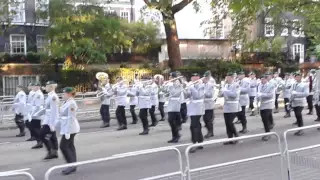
177	175
265	167
302	163
9	83
16	173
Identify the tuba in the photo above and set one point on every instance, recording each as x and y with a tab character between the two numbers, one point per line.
102	78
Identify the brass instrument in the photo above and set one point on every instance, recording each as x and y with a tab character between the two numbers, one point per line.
179	77
102	78
195	82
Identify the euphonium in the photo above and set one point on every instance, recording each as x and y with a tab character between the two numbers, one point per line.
102	78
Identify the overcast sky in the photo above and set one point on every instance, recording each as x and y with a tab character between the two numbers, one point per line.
188	21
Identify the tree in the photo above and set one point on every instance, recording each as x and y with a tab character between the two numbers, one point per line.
8	10
168	8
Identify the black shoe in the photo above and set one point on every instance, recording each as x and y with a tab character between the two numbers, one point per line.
174	140
104	125
193	150
38	146
238	122
134	122
295	123
318	119
287	115
243	131
252	113
209	135
299	133
276	111
265	138
69	170
123	127
184	121
145	132
162	119
310	113
21	134
51	155
31	139
271	126
227	143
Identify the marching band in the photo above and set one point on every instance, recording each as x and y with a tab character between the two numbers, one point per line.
194	99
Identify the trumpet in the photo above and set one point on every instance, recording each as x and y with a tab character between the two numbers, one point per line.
194	82
179	77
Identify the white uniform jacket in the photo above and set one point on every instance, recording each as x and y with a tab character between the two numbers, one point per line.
231	94
278	84
68	118
174	100
244	91
132	93
144	97
154	94
19	103
37	106
253	87
107	92
196	104
300	91
162	93
266	96
52	110
209	100
288	84
28	107
121	92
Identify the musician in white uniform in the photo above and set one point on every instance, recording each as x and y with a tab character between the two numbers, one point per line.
28	110
69	127
288	83
278	82
19	104
121	92
105	105
300	91
184	109
195	107
133	101
144	103
174	90
265	96
244	101
154	102
209	102
253	91
162	98
231	94
310	81
48	132
37	114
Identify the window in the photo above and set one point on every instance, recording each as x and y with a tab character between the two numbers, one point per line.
125	15
17	11
218	30
41	43
18	44
268	27
42	13
297	28
284	27
298	52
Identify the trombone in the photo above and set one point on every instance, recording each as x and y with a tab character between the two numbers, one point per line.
172	79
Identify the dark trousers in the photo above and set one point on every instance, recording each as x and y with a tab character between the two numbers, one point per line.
105	113
143	115
133	113
286	107
67	148
231	129
276	104
36	126
18	119
161	109
121	116
174	119
49	138
251	105
195	128
317	107
265	116
242	117
298	114
28	125
208	118
310	103
152	115
183	111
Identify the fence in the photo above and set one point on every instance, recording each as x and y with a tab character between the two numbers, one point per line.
263	164
16	173
9	83
302	163
178	173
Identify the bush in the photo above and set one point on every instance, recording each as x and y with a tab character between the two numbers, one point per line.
31	57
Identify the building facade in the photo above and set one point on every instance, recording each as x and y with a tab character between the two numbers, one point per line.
26	32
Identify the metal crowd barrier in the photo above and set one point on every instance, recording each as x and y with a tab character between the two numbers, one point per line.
178	173
12	173
266	166
302	163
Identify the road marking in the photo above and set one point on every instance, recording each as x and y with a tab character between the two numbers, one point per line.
14	171
5	143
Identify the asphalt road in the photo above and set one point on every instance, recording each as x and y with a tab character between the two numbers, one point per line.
94	142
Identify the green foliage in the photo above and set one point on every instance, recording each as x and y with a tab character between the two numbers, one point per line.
31	57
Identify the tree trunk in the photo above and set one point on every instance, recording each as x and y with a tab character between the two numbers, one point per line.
172	41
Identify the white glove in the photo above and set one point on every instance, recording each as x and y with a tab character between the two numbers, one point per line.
224	89
67	136
258	94
294	92
52	128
